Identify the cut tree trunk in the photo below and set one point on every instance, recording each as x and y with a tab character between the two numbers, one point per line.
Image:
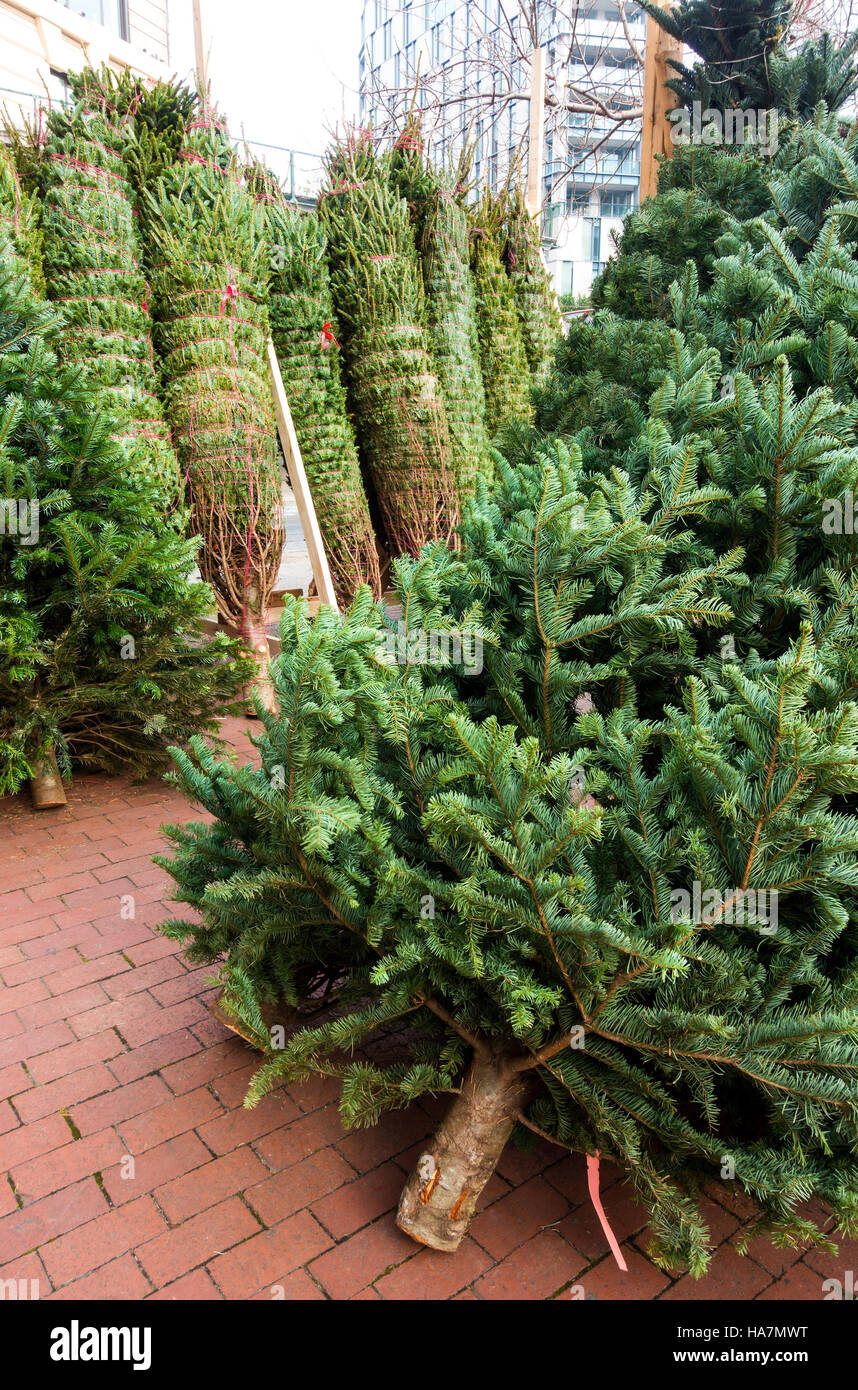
46	785
253	635
439	1199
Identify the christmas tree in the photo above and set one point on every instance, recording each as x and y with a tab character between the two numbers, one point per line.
396	399
506	375
91	252
102	661
306	338
436	202
748	60
534	294
211	309
598	863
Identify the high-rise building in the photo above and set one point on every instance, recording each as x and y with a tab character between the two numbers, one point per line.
464	64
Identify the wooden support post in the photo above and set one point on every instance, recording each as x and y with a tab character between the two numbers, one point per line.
300	486
200	56
658	99
536	136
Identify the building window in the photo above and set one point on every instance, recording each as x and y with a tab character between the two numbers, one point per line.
397	69
616	202
435	50
111	14
407	20
411	58
379	13
388	38
566	273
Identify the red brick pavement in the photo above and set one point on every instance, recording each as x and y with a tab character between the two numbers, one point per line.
129	1169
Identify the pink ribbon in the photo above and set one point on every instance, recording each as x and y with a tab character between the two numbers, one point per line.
231	292
326	337
593	1189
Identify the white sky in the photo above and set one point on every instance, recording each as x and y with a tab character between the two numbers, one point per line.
286	70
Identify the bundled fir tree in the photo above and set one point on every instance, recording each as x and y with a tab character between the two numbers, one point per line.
506	375
93	273
156	119
305	332
397	402
19	221
535	299
102	661
210	281
435	200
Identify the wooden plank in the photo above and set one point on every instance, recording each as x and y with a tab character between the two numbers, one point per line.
536	135
658	99
200	55
300	486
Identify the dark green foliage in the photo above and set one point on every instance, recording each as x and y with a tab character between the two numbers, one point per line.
306	338
657	240
746	58
101	650
604	372
378	295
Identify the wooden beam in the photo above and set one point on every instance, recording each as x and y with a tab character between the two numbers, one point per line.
200	56
536	134
300	486
658	99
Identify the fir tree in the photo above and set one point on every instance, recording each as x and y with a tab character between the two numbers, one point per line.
748	61
534	294
396	398
91	252
305	332
506	375
211	309
436	204
102	661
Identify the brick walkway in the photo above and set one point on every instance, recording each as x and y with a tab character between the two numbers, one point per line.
107	1051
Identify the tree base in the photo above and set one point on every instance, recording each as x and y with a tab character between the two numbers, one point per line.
440	1197
252	634
46	786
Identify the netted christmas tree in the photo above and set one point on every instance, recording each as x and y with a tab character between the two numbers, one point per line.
156	117
506	375
397	402
19	221
210	255
305	332
102	657
91	252
535	299
436	201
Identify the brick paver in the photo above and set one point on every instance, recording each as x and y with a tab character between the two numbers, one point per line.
129	1167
